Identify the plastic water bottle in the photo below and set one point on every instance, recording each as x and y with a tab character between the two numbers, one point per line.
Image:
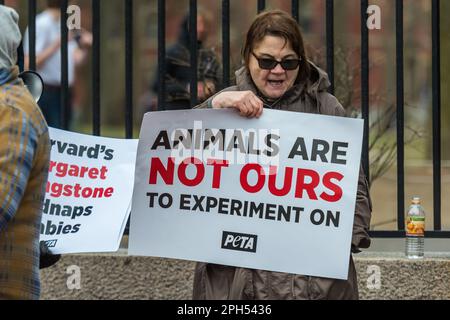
415	230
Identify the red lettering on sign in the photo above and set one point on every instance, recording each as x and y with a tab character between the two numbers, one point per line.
332	186
244	177
156	166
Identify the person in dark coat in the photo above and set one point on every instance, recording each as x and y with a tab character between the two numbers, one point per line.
177	75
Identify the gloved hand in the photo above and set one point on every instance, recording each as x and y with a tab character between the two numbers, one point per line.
46	258
355	249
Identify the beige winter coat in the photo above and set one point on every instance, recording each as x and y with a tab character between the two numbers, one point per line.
213	281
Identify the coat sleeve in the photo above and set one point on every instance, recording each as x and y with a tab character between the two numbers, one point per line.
363	207
205	104
211	68
363	213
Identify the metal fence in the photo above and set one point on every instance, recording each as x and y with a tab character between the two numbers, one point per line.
261	4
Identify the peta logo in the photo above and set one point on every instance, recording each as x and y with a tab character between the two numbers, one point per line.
239	241
50	243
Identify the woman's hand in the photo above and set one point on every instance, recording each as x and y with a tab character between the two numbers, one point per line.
248	104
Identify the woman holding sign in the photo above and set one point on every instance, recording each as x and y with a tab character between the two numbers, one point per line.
278	75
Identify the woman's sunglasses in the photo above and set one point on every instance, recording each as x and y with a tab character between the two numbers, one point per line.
269	63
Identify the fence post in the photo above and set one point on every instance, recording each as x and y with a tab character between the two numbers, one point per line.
96	68
436	75
129	69
365	86
400	118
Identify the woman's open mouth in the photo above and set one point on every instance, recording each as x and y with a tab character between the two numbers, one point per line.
275	83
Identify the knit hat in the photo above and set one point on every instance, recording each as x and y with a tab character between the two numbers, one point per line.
10	37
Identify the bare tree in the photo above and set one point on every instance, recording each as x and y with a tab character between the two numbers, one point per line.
382	138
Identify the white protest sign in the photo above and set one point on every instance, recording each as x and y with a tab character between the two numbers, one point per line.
88	193
276	193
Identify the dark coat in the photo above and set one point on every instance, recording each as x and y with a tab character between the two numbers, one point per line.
213	281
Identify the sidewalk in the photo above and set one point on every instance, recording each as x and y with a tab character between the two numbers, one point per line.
381	275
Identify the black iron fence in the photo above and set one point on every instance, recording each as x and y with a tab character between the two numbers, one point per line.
261	4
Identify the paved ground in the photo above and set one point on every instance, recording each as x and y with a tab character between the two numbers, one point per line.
118	276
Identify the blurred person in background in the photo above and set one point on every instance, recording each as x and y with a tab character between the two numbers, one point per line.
48	60
177	75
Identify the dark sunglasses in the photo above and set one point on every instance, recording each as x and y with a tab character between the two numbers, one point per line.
270	63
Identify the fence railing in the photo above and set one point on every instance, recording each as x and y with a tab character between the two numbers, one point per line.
261	4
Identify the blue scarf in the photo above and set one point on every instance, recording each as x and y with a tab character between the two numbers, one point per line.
8	75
